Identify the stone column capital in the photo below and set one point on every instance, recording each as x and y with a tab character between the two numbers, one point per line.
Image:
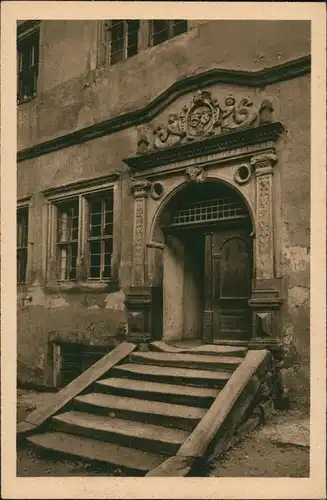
140	188
263	163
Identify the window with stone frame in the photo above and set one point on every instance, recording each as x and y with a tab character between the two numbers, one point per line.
162	30
81	234
122	39
22	243
28	44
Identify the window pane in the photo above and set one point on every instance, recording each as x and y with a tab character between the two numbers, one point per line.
159	26
107	258
95	206
21	264
132	39
101	226
22	243
95	259
68	221
133	26
63	257
28	62
179	26
95	218
160	31
73	261
117	33
22	227
117	29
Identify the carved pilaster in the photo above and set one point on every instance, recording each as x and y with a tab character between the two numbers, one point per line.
263	165
140	191
265	300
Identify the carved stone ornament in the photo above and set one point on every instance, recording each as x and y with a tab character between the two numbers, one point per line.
264	160
140	188
194	174
142	141
204	117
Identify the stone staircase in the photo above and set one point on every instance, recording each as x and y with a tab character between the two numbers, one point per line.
144	408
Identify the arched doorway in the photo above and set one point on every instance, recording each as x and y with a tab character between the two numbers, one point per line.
207	263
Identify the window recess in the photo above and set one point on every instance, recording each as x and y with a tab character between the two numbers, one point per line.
22	243
28	49
162	30
122	39
83	235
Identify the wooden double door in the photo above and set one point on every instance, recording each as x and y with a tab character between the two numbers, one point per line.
228	264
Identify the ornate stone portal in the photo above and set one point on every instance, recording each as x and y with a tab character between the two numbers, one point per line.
205	133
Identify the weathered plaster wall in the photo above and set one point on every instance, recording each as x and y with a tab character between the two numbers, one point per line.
295	233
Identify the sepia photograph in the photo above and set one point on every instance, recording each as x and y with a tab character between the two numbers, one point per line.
163	242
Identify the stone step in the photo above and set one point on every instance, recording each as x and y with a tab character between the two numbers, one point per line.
139	435
155	391
153	412
204	349
183	376
99	451
197	361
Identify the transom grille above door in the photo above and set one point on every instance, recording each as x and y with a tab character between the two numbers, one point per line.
209	211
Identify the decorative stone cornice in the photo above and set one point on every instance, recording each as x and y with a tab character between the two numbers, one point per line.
140	188
254	79
209	146
81	184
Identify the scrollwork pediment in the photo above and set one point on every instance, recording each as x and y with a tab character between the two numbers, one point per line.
204	117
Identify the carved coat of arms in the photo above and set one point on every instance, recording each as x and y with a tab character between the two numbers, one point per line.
204	117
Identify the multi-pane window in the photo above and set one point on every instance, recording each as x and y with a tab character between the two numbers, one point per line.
164	30
67	239
93	216
22	243
123	39
28	66
100	237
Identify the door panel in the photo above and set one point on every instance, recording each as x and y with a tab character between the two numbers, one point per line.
230	262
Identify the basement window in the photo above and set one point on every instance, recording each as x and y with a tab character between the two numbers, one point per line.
74	359
162	30
22	243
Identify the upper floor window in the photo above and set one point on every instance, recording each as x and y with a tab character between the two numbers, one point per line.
22	243
163	30
123	38
27	60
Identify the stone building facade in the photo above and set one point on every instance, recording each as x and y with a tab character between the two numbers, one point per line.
163	189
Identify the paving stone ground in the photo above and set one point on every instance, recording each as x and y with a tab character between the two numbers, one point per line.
278	449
